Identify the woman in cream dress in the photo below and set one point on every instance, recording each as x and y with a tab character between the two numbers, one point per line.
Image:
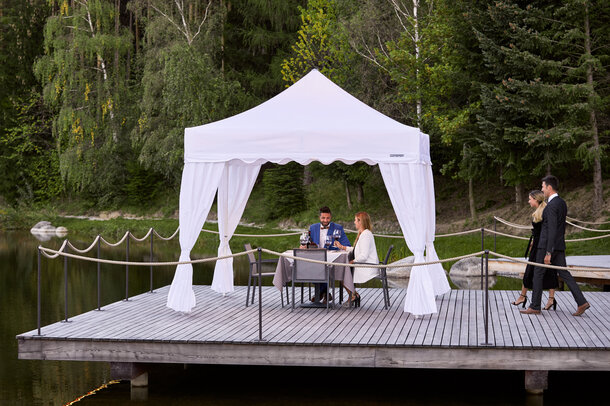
364	251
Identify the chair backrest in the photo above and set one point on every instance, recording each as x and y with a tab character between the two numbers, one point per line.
251	256
308	271
387	256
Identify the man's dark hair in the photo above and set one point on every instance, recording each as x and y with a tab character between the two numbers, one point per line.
551	181
325	209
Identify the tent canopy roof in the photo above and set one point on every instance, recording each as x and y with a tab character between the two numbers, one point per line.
314	119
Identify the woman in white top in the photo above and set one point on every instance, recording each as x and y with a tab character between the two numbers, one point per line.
364	250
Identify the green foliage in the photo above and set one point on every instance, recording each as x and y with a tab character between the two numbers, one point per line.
257	38
143	186
321	44
82	73
283	188
181	87
28	160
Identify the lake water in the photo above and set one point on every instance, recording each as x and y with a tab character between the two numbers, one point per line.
57	383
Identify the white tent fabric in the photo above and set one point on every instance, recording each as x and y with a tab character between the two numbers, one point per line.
195	203
314	119
235	186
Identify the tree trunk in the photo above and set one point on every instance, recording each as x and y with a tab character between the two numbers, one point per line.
359	193
347	194
307	176
598	199
417	57
473	209
518	196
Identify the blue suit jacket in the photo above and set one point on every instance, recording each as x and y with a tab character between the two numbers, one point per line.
314	230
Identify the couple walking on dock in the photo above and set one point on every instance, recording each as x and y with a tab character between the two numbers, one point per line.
548	247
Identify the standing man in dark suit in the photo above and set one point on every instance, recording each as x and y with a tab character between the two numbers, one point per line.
552	247
318	233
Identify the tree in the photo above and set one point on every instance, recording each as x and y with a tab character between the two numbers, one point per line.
82	74
182	84
256	39
321	45
581	28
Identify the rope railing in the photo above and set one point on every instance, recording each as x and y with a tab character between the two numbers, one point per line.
587	229
587	222
514	225
51	253
524	227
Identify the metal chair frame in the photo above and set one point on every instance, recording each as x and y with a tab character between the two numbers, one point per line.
308	272
383	276
253	274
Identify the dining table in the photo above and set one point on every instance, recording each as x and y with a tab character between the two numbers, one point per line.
283	270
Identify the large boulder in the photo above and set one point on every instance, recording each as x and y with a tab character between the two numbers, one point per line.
468	267
402	271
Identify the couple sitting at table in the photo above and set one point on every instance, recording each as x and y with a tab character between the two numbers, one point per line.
363	251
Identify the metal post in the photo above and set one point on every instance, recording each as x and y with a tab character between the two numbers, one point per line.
98	273
66	286
39	263
487	343
482	249
260	294
151	259
127	267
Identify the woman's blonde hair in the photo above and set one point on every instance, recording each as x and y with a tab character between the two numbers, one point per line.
365	220
539	197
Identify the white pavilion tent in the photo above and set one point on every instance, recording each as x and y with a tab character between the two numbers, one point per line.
312	120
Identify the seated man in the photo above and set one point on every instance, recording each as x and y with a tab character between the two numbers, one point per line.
318	233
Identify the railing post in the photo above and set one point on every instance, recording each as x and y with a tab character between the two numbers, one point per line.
38	295
127	267
487	343
152	232
260	294
482	249
66	285
98	273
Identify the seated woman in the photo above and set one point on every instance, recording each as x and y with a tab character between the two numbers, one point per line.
364	251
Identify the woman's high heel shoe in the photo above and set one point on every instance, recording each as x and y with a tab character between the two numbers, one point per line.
551	303
516	303
356	299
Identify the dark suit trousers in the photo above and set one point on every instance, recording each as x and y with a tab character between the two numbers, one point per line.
558	258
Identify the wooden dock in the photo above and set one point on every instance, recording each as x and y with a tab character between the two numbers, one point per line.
221	330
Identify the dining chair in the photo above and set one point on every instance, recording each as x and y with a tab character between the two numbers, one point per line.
310	272
383	277
255	273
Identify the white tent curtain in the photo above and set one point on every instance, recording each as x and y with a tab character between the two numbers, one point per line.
407	187
440	284
235	186
199	185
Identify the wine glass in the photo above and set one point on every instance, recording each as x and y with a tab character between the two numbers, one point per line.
337	234
304	238
328	242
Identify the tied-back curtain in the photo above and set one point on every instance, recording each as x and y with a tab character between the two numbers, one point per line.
407	189
235	186
440	284
199	184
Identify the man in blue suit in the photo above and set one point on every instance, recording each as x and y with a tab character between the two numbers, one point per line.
318	233
325	227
